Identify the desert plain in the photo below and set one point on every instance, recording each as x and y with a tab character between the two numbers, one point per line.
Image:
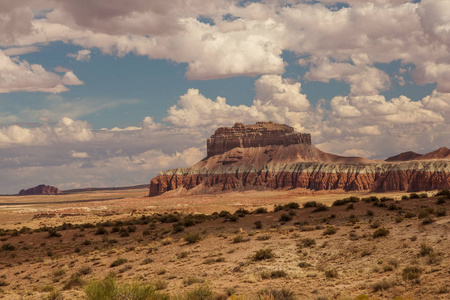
274	244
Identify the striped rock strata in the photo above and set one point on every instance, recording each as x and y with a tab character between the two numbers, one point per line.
301	165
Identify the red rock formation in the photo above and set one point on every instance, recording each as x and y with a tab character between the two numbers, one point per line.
297	165
257	135
405	156
40	190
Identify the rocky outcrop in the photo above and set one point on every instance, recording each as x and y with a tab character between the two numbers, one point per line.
40	190
256	135
297	164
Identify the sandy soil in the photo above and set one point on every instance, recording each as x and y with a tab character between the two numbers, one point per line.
223	259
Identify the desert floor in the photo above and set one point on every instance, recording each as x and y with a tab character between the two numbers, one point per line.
54	246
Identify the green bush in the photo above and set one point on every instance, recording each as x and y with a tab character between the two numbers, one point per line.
193	237
285	218
200	293
261	210
331	273
258	224
308	242
8	247
411	273
108	289
380	232
271	294
320	207
310	204
263	254
119	261
330	230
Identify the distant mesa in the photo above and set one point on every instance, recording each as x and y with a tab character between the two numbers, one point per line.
40	190
267	155
405	156
441	153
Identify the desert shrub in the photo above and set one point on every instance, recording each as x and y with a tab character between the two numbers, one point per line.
398	219
131	228
320	207
8	247
370	199
292	205
383	285
350	206
84	270
308	242
392	206
411	273
261	210
425	250
278	208
258	224
330	230
73	282
101	231
193	237
285	218
410	215
427	220
440	212
242	212
233	218
169	218
86	243
147	261
414	196
224	214
304	264
353	219
423	195
278	274
200	293
344	201
55	295
119	261
369	213
191	280
189	221
440	201
238	239
124	233
405	197
3	282
444	192
263	254
108	289
271	294
178	227
380	232
331	273
264	237
53	233
310	204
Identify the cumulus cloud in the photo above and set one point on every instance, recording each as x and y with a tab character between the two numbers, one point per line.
17	75
249	39
81	55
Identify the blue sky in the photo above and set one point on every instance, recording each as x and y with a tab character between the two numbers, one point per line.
111	93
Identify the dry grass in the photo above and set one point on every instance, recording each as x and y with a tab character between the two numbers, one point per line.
309	256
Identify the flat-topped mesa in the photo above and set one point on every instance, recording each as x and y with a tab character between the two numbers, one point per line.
255	135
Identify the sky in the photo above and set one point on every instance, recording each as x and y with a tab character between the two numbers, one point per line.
110	93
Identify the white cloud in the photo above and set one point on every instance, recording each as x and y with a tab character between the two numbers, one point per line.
16	75
82	55
79	154
14	51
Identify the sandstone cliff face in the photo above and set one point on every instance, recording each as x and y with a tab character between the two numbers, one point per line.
40	190
409	176
257	135
273	156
